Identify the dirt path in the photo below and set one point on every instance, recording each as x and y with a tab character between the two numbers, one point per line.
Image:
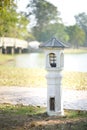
72	99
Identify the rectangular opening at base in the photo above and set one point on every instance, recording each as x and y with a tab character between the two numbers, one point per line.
52	104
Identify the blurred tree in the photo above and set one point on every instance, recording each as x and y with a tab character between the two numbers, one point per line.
21	30
43	11
47	21
4	3
8	19
76	35
12	23
81	20
56	29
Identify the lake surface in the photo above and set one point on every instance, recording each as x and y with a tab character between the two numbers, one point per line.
72	62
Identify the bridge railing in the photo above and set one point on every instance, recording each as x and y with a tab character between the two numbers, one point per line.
11	44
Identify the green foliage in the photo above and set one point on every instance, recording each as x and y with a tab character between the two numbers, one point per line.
21	30
12	23
81	20
76	35
56	29
5	3
8	20
43	11
48	23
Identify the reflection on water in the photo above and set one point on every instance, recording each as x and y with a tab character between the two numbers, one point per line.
72	62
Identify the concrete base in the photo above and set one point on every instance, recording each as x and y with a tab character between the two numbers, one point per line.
52	113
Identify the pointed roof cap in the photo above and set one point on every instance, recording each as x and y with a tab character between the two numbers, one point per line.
52	43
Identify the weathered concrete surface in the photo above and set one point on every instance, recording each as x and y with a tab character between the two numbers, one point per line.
72	99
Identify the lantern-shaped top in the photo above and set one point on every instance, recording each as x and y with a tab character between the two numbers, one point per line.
53	43
54	54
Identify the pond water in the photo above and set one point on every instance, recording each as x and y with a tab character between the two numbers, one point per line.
72	62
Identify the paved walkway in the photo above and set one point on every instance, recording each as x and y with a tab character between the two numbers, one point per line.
72	99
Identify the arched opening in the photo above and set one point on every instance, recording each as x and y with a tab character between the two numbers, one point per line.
52	59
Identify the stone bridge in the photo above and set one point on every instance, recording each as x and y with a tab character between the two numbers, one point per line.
12	45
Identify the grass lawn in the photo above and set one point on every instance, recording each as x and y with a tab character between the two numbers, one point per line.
4	58
21	117
11	76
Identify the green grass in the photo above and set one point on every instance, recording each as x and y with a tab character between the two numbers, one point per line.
35	110
21	110
75	113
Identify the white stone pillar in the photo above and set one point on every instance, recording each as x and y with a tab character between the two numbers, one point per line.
54	65
54	93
